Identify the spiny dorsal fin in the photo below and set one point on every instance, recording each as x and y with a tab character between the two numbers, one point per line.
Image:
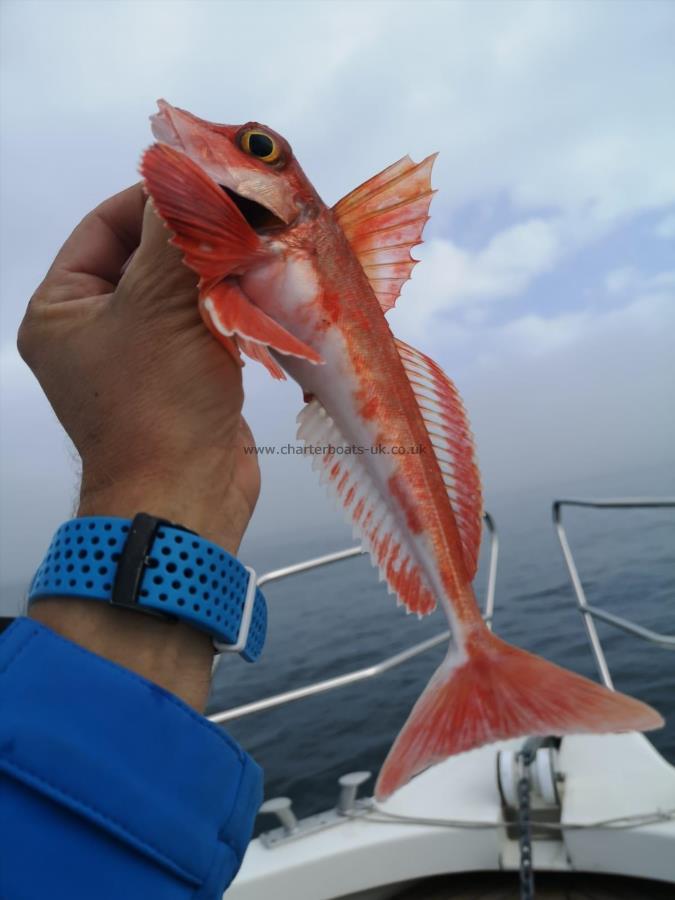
450	436
383	219
389	544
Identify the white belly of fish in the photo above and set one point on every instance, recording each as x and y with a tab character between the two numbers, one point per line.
286	290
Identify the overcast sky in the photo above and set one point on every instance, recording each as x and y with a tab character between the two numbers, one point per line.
547	282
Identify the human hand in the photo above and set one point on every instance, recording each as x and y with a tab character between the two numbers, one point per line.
153	405
150	400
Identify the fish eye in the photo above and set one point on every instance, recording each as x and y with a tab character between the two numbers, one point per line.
260	145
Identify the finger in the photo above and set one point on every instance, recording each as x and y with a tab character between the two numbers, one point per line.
157	267
91	260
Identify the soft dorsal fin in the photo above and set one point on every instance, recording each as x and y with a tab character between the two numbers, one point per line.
450	436
383	220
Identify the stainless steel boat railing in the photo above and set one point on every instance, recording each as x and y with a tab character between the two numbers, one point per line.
385	665
590	613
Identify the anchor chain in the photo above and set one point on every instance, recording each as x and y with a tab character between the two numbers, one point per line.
525	827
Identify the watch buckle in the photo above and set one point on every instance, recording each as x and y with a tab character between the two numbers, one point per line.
246	618
133	563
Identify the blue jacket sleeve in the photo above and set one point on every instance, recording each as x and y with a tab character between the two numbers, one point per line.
111	787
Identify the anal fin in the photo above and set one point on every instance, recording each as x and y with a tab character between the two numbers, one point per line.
367	507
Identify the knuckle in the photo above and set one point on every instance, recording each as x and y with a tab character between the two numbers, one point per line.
26	341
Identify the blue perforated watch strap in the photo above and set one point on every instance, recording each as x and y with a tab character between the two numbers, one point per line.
184	576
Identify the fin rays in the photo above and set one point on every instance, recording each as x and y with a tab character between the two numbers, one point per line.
448	429
348	480
383	219
497	692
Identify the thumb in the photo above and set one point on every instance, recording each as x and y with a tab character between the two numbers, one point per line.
155	233
156	272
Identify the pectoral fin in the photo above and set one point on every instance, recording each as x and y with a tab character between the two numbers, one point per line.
214	236
229	313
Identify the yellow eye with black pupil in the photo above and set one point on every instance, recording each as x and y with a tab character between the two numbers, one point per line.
260	145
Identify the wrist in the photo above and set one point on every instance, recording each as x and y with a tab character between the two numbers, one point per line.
173	655
199	493
209	506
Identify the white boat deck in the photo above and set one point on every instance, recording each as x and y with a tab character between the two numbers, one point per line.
608	815
608	777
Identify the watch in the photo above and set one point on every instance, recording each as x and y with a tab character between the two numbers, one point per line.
159	568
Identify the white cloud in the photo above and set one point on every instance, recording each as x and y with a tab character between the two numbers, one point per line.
575	395
451	277
38	471
535	335
556	107
662	280
618	281
642	320
666	227
628	279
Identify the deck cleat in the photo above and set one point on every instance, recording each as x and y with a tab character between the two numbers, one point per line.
349	788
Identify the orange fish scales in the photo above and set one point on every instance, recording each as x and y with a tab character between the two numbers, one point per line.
368	410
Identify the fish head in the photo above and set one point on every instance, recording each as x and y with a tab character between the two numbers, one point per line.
251	162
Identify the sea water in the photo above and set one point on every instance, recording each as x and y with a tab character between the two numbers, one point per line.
339	618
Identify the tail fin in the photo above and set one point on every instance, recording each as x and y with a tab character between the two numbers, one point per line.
499	692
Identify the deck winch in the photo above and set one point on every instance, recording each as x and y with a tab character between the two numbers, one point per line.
545	780
529	789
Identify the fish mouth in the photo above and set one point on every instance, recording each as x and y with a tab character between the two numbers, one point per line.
172	126
259	217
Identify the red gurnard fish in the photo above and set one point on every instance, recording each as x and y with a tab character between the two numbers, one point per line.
303	289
